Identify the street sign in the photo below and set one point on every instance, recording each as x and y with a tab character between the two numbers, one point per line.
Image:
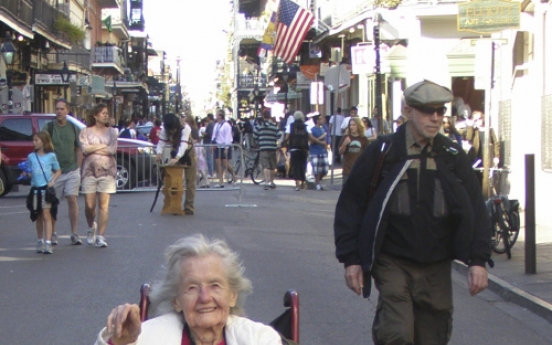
488	16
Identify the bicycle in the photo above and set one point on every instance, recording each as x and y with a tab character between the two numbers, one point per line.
252	165
504	214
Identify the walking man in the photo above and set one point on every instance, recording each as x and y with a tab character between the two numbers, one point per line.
411	205
266	137
345	123
318	153
65	137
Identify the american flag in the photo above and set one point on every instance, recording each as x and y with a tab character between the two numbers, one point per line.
293	24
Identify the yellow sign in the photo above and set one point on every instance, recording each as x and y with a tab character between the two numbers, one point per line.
487	16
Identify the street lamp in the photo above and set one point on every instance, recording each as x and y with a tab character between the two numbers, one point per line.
65	75
8	52
256	93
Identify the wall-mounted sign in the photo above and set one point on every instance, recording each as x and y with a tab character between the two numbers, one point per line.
363	58
487	16
53	79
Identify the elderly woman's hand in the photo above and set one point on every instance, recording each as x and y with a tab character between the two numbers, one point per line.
123	324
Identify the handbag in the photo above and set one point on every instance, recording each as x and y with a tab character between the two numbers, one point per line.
50	196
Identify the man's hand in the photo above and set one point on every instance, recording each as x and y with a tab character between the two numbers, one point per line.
354	278
477	279
124	325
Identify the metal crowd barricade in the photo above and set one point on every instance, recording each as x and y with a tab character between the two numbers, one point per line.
137	168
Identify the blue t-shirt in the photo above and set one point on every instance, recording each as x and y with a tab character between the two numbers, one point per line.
49	163
317	148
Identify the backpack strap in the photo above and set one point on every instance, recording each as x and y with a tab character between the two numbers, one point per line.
385	147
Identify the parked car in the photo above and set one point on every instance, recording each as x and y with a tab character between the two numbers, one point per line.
136	160
144	130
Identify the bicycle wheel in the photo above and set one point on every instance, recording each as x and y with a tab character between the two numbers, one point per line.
504	237
257	175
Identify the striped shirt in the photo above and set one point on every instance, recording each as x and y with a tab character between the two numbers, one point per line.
266	136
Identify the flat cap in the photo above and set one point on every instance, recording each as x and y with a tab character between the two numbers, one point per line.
427	92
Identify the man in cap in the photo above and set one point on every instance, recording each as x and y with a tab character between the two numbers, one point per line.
411	205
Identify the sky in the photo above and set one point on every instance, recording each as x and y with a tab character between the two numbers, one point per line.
192	30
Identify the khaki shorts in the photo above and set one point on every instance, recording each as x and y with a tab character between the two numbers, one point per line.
68	184
104	184
44	203
268	159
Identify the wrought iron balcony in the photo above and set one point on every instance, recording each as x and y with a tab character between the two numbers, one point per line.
109	56
21	10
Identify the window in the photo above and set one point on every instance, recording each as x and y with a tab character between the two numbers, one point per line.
16	130
43	122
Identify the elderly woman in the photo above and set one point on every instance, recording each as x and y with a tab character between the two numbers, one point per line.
198	301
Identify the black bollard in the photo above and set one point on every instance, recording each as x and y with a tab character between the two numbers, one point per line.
530	233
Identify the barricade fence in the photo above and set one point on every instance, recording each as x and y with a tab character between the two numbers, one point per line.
139	170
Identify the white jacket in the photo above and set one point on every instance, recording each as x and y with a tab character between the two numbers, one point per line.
167	330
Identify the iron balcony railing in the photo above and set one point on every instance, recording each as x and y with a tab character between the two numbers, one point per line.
81	59
20	9
45	15
109	54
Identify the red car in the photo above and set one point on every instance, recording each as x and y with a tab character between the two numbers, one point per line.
136	160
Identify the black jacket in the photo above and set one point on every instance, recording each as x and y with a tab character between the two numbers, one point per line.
360	224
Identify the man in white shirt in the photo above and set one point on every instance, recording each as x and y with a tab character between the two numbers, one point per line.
222	137
345	123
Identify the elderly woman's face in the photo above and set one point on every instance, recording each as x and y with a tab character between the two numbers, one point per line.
204	294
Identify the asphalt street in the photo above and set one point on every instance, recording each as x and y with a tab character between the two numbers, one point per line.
284	238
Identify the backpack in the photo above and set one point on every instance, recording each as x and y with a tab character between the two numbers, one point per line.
50	129
125	134
299	138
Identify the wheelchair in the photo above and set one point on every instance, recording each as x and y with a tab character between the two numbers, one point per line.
287	323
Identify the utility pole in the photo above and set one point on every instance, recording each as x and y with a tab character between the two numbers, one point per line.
377	70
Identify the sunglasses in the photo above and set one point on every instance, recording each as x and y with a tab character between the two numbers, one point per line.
429	111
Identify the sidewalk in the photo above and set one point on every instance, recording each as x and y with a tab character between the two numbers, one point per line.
508	278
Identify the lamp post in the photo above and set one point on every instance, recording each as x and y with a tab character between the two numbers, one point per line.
377	70
8	52
65	75
178	91
114	98
256	93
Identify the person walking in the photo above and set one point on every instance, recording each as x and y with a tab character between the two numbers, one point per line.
352	145
99	144
179	138
318	153
207	140
369	130
67	147
266	137
45	170
222	138
298	146
411	205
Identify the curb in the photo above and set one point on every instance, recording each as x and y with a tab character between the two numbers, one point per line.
512	294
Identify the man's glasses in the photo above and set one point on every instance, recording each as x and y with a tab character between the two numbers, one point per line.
429	111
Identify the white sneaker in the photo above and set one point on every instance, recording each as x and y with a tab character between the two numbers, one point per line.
318	187
100	242
91	234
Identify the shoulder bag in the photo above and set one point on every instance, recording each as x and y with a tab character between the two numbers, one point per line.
50	196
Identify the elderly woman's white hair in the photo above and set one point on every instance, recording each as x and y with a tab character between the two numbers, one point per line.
164	292
298	115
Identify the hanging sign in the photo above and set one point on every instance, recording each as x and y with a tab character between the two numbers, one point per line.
488	16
